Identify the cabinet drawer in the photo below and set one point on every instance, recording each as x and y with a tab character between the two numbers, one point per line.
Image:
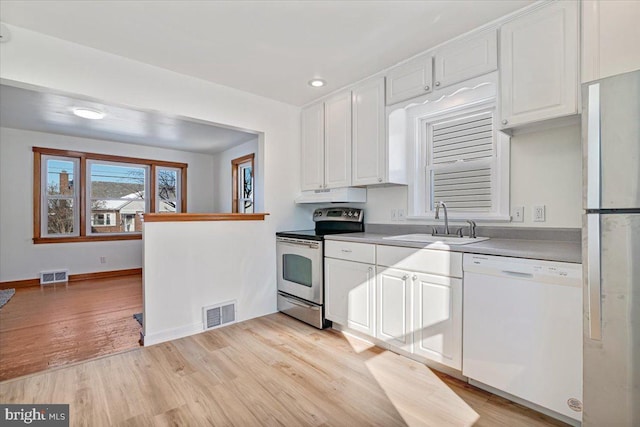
359	252
442	263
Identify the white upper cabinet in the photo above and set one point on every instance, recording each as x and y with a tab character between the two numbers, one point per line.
369	133
409	80
539	64
610	34
337	142
465	59
312	150
326	144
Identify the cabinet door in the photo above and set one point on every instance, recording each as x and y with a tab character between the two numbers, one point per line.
337	143
610	35
539	65
464	59
409	80
350	291
393	302
312	150
369	133
437	308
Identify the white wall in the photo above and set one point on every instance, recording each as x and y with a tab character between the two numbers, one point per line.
41	60
546	169
219	261
222	175
21	259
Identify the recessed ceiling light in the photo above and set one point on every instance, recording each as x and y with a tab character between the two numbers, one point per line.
88	113
317	82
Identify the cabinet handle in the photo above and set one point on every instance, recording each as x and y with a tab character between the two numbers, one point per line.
320	186
437	83
427	87
370	269
405	277
379	179
347	251
415	277
505	121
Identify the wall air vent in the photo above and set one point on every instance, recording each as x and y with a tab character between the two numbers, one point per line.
218	315
47	277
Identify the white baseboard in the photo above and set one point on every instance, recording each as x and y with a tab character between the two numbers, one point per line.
173	334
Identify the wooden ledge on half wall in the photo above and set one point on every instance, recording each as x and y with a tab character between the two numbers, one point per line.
183	217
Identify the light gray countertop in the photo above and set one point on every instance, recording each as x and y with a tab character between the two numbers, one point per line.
548	250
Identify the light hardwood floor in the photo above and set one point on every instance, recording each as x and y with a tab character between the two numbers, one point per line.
271	370
55	325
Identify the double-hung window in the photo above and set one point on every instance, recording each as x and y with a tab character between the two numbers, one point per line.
59	196
168	189
464	168
88	197
456	152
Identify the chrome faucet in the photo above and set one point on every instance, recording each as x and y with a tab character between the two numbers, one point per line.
472	228
446	217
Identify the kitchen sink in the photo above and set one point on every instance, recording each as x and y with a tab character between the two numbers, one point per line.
428	238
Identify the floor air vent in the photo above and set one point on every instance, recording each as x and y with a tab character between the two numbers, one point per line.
47	277
218	315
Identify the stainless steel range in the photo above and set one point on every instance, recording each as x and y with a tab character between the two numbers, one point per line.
301	263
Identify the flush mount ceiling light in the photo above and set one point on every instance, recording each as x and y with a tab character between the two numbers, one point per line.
317	83
88	113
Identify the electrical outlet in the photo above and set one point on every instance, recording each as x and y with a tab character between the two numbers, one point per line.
539	213
103	260
400	214
394	214
517	214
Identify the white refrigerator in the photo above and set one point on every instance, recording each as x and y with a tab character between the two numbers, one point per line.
611	251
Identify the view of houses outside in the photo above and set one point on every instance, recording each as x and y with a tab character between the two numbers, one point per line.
117	197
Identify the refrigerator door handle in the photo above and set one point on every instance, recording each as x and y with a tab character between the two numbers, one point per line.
593	148
594	285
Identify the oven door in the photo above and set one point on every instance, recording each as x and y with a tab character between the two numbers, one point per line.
300	268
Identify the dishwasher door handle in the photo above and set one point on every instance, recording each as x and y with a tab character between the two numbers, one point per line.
517	274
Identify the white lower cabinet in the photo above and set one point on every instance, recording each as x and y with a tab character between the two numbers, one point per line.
410	299
437	318
420	313
350	294
393	308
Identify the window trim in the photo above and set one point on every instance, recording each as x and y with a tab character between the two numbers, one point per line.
82	158
235	190
89	163
44	198
155	170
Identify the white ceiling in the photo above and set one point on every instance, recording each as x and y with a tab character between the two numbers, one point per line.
270	48
44	111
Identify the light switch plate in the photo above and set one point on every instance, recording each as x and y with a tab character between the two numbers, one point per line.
517	214
394	214
400	214
539	213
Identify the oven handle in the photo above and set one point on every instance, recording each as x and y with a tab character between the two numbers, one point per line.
313	245
299	304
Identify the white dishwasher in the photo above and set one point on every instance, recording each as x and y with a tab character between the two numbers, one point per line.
522	329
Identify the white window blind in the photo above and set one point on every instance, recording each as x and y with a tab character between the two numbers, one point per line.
463	139
461	163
